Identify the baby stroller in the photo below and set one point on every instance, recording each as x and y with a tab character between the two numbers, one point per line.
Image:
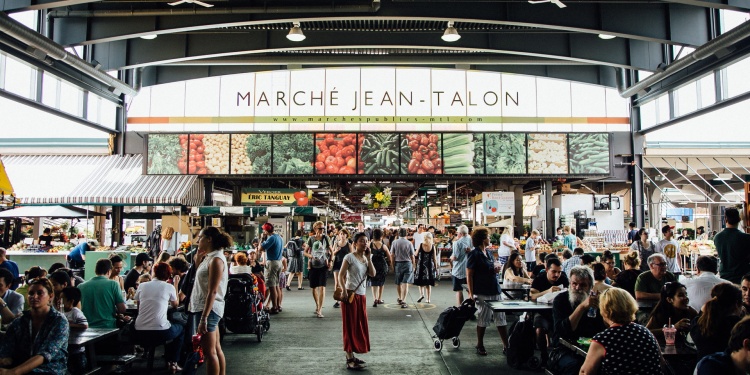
451	321
244	306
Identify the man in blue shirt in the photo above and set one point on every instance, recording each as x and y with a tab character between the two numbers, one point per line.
77	256
734	360
273	247
461	248
10	266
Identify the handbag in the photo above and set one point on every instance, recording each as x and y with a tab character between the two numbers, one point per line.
195	359
126	335
177	316
338	293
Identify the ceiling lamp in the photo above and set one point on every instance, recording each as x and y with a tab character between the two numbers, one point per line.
451	34
606	36
723	177
312	184
441	185
149	36
295	33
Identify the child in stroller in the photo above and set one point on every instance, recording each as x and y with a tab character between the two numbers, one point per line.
244	311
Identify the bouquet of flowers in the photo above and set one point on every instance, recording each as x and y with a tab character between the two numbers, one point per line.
377	198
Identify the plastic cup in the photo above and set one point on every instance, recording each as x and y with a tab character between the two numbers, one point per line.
669	335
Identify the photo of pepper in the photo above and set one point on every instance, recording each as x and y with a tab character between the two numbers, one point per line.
335	153
292	154
458	153
505	153
589	153
379	153
165	155
425	154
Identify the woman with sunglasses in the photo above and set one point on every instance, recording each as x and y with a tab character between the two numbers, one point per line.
608	259
38	340
319	253
672	307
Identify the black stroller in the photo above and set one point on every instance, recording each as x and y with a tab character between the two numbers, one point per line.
244	305
451	321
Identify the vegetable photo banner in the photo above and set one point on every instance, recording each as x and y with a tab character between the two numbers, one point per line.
380	154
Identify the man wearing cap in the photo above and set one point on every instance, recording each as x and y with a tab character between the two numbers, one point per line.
732	246
671	250
272	246
143	264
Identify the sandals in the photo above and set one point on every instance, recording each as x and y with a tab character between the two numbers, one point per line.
380	302
480	350
404	305
320	315
375	304
173	367
300	288
420	299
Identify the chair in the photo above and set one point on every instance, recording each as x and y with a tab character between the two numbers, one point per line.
149	348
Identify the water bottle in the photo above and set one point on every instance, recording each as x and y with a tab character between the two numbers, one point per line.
592	310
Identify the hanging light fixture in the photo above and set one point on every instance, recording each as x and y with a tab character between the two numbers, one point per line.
451	34
295	33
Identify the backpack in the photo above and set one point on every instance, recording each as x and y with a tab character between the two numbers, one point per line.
319	253
521	345
292	250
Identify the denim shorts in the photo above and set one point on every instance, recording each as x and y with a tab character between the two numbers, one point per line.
213	321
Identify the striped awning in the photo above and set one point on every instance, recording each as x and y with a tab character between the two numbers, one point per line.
100	180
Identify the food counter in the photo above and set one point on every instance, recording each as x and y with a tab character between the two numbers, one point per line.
93	256
27	260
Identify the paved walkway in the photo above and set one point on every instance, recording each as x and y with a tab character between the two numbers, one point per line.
400	340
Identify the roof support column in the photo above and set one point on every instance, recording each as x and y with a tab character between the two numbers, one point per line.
208	190
638	205
117	214
549	217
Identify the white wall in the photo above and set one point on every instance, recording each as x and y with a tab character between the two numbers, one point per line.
605	220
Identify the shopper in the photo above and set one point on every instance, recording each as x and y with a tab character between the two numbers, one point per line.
242	264
427	262
296	261
381	260
608	259
10	266
77	257
735	359
699	287
404	264
649	284
418	236
481	277
207	297
170	240
272	248
341	247
672	307
461	248
569	240
627	278
515	270
732	246
117	266
671	249
319	253
710	331
9	298
356	266
632	233
644	247
143	264
101	298
507	244
532	244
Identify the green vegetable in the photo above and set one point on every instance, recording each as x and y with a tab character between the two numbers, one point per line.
163	153
292	153
505	153
589	153
380	153
259	152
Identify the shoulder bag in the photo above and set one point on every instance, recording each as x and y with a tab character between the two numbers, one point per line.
338	293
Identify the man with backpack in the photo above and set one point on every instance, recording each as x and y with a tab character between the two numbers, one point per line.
319	252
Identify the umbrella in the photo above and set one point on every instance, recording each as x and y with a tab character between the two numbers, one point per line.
60	212
6	188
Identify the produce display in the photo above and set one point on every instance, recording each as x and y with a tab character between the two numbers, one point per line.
258	149
458	153
164	152
292	154
211	153
589	153
505	153
425	154
548	154
379	153
240	163
335	153
479	153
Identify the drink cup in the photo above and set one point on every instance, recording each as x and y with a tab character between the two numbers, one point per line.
669	335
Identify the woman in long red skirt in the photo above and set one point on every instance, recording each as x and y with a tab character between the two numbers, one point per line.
355	268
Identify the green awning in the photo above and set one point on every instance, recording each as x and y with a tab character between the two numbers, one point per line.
257	211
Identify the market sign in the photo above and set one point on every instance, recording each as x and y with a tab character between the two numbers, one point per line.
498	203
400	99
350	217
268	197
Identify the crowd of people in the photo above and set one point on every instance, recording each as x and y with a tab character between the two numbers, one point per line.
589	297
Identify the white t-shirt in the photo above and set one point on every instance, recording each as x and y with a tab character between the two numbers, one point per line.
75	316
504	250
241	269
153	301
671	250
418	239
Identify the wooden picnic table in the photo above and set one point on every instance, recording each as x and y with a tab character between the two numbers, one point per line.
519	306
87	338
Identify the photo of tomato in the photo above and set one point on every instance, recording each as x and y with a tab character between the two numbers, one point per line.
421	153
335	153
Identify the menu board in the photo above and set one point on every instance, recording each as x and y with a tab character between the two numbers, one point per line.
335	153
505	153
548	153
251	154
292	153
379	153
209	153
425	154
589	153
167	154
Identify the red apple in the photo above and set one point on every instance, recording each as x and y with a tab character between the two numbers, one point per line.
302	201
300	194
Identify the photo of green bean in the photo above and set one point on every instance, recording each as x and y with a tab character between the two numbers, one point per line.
589	153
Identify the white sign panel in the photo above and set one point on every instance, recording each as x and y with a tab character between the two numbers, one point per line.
498	203
377	99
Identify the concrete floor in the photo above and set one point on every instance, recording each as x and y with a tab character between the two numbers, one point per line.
400	340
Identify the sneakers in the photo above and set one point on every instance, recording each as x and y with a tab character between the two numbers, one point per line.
336	305
375	304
